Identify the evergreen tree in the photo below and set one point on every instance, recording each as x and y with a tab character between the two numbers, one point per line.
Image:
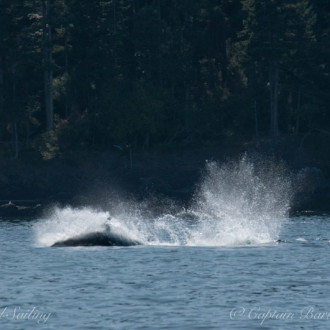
278	34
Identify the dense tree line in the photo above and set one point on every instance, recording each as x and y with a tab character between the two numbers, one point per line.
146	73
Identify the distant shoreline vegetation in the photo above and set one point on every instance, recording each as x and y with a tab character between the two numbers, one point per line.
101	179
161	74
136	95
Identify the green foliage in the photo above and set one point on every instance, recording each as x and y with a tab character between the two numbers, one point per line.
47	145
150	73
136	113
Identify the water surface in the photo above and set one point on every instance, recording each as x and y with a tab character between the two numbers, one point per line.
232	259
168	287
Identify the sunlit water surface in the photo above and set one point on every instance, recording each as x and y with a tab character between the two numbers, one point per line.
167	287
232	259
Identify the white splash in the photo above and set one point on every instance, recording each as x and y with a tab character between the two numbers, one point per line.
238	203
64	223
242	203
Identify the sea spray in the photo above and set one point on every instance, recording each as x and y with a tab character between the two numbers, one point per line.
64	223
237	203
242	202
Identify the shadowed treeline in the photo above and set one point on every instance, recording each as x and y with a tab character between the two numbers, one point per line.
141	74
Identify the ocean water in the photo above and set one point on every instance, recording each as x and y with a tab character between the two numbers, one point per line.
232	259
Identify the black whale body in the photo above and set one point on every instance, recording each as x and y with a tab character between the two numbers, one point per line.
106	238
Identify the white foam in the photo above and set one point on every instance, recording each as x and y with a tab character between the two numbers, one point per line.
236	204
67	222
242	202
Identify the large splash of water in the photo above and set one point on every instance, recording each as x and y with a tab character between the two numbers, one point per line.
237	203
242	202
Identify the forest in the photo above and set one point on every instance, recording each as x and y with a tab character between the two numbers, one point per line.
145	74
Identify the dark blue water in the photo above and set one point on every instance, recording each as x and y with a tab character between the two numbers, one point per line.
260	286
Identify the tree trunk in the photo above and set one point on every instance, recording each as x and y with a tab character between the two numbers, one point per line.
27	138
274	90
298	112
115	33
48	60
146	143
67	72
2	100
256	119
160	61
187	110
14	115
224	53
15	140
1	85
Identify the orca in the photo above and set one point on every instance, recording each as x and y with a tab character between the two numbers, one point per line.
99	238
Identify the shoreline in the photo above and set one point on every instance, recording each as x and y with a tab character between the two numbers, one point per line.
94	179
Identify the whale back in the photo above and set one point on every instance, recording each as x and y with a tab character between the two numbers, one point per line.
106	238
